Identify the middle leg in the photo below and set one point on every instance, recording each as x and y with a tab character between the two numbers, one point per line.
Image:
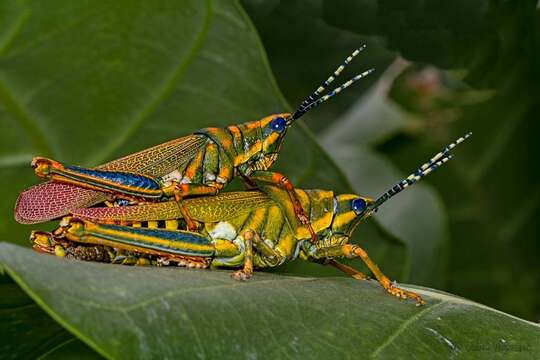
352	251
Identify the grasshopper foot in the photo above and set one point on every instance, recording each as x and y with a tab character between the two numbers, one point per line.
404	294
241	275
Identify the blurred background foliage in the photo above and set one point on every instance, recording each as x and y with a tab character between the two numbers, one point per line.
442	69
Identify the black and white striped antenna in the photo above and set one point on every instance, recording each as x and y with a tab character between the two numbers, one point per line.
422	171
315	100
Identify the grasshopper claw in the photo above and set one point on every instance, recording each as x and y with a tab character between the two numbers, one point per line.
241	275
404	294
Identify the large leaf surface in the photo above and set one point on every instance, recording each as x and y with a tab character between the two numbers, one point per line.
445	34
136	312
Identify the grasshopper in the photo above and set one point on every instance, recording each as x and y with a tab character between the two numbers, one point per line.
246	230
195	165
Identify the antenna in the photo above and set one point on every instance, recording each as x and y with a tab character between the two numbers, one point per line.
313	100
422	171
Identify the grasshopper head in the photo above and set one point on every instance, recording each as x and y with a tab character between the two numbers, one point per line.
273	130
349	210
266	136
262	140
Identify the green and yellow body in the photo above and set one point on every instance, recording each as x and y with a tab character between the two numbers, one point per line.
152	229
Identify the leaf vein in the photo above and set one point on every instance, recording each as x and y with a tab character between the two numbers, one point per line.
15	30
403	327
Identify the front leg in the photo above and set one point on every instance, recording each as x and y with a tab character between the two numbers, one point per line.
354	251
284	183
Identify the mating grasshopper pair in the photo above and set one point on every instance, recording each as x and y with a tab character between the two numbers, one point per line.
150	196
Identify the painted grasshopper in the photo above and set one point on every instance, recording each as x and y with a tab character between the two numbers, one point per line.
247	230
195	165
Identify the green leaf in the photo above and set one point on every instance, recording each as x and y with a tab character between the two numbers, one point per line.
138	312
448	34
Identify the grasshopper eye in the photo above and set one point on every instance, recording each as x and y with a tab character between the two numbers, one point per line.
359	205
278	124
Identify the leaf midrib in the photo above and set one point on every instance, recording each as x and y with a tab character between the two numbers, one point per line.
394	335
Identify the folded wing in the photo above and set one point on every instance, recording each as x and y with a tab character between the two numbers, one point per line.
207	209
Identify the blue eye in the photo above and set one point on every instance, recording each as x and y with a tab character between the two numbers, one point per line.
359	205
278	124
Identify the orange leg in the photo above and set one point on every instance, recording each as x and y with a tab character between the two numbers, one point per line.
247	270
348	270
352	251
